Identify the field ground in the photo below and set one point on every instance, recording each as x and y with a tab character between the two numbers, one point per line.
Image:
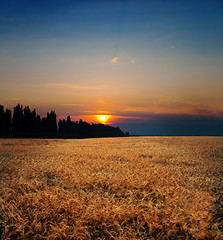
112	188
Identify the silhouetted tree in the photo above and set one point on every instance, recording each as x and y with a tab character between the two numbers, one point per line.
28	123
8	122
2	121
51	124
18	122
84	129
44	128
68	129
5	122
31	123
38	127
68	120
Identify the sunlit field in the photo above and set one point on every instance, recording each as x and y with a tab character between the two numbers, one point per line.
112	188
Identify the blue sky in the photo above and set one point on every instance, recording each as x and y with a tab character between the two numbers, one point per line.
58	54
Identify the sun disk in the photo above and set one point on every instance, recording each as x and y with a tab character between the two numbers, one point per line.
102	118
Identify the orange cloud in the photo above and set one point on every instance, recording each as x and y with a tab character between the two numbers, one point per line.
115	59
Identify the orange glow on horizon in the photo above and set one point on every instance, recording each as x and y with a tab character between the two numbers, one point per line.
105	118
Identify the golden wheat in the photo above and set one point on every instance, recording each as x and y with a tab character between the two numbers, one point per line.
111	188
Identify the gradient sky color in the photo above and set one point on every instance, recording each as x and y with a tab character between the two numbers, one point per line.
154	66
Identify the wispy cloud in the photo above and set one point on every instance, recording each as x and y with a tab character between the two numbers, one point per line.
172	46
72	86
115	59
14	99
74	105
99	112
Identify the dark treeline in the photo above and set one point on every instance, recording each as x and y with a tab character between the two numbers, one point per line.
25	123
81	129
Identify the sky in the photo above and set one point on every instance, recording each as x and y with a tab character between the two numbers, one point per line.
154	67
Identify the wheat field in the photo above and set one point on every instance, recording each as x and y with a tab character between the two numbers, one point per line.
112	188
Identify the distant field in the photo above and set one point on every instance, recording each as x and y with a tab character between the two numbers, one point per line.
114	188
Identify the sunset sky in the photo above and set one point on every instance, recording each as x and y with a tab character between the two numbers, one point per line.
154	66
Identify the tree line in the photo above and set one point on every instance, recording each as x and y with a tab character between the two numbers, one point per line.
24	123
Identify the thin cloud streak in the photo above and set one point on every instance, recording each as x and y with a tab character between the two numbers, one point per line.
162	105
14	99
72	86
75	105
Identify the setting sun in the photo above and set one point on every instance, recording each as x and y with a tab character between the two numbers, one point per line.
103	118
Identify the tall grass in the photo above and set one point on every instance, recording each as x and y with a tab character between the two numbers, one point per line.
114	188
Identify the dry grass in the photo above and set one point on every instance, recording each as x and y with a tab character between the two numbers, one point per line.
114	188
